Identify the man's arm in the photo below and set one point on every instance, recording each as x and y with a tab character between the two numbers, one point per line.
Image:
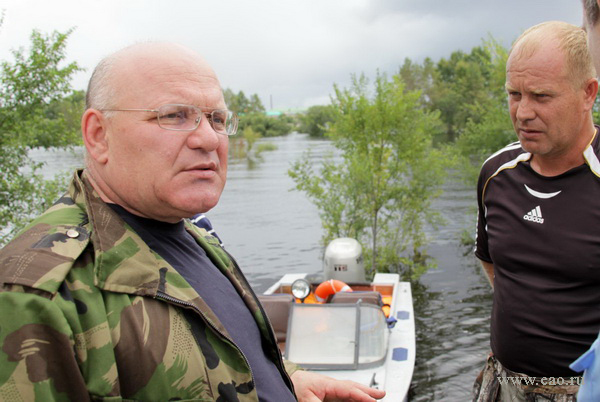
37	356
313	387
488	268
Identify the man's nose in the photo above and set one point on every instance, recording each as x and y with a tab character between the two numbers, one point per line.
204	136
525	110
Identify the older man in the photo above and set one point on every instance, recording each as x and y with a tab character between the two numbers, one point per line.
111	294
538	237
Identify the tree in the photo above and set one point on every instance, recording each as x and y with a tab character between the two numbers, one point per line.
59	122
457	85
492	131
256	105
252	115
381	191
487	127
28	85
240	104
266	126
316	120
418	77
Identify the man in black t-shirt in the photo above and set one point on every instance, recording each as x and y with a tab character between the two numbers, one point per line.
537	232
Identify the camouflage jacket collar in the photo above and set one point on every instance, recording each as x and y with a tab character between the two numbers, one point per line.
123	261
125	264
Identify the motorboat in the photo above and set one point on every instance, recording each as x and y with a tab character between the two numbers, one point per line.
343	326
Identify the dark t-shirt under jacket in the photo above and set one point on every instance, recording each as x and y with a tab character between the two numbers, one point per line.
178	248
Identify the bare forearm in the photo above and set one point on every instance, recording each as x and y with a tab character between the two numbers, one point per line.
488	268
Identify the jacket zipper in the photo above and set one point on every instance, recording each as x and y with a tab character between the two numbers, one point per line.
173	300
264	314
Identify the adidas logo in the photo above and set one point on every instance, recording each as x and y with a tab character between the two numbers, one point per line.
535	215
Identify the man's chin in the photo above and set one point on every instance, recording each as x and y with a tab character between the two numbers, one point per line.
197	207
533	147
194	200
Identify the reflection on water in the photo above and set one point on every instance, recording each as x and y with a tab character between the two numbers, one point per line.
272	230
452	308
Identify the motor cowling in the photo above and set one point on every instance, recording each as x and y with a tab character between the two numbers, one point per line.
344	261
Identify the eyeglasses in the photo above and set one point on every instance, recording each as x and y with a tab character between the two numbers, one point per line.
187	118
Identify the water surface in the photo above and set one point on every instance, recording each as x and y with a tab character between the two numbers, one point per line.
272	230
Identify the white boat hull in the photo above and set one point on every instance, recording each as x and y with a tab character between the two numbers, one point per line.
395	373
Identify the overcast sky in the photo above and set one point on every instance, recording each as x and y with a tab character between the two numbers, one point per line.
290	50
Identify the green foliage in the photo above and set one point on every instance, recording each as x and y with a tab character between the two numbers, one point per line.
487	127
492	131
267	126
251	137
265	147
596	110
59	123
317	120
468	91
252	114
381	192
242	146
31	82
457	85
418	77
32	88
240	104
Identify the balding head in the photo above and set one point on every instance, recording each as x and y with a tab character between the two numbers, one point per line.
135	162
102	90
571	41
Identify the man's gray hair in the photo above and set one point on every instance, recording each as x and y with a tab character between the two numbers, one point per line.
100	91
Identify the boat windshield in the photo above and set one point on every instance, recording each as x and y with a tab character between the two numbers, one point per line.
336	336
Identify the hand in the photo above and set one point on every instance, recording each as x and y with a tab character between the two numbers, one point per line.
313	387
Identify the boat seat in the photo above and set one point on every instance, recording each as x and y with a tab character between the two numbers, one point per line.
370	297
278	306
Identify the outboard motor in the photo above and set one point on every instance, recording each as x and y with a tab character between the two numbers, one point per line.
344	261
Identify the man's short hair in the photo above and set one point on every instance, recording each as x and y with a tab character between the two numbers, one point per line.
591	11
100	90
572	41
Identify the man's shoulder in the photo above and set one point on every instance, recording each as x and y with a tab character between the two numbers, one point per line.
508	156
42	254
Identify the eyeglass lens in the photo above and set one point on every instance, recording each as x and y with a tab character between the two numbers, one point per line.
187	117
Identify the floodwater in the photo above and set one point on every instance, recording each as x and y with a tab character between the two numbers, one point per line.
272	229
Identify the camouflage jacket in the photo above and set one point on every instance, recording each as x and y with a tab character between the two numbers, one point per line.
89	312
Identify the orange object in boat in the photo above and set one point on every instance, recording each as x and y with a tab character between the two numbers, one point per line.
387	300
310	299
327	288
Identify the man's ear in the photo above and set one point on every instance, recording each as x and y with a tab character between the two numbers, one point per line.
94	132
591	90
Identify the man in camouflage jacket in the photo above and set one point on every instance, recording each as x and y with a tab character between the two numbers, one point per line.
90	311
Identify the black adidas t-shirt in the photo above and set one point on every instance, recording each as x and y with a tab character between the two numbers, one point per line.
543	236
178	248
